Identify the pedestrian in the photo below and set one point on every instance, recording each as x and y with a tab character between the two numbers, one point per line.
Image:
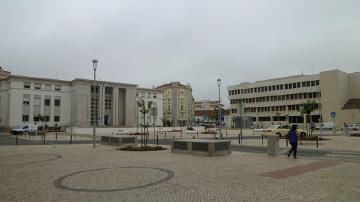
294	137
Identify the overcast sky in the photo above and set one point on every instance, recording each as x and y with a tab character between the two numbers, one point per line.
193	41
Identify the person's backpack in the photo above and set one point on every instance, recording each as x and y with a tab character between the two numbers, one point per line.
293	137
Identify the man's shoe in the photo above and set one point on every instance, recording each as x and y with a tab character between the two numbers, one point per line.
295	157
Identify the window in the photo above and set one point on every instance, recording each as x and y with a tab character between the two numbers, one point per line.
154	95
57	102
303	84
36	118
57	88
294	85
312	83
148	95
317	82
37	86
56	118
26	84
25	118
26	99
286	86
47	102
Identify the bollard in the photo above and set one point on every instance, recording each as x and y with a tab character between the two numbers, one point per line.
44	138
239	138
180	133
17	139
262	139
317	141
197	134
165	135
157	139
71	139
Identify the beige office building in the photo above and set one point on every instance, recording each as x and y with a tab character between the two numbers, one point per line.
178	103
278	101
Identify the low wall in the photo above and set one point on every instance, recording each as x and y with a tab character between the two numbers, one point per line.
109	131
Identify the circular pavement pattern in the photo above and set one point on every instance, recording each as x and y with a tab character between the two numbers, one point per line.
25	159
113	179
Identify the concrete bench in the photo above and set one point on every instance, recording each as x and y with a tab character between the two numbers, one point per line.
119	140
202	147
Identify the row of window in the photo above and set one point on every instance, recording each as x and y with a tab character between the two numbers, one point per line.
36	118
272	108
47	101
39	86
148	95
294	96
276	87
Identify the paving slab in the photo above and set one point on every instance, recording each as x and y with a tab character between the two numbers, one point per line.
107	174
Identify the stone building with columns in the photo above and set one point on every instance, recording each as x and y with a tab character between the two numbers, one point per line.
25	99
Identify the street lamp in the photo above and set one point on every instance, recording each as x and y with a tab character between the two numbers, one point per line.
95	62
219	112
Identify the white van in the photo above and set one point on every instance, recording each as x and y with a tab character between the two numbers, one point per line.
326	126
27	128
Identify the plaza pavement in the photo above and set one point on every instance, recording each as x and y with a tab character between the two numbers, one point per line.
80	173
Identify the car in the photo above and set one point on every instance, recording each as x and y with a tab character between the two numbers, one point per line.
326	126
27	128
350	126
282	130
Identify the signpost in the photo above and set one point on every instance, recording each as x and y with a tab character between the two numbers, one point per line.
333	116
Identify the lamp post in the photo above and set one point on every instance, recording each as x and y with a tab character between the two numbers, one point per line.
219	112
95	62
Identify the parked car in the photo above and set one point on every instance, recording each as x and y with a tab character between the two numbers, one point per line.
326	126
350	126
27	128
282	130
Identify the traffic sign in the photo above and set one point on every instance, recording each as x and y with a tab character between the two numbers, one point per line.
333	115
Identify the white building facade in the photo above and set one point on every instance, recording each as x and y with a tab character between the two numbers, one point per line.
155	115
27	100
66	103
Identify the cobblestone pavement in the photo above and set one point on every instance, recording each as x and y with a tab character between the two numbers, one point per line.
34	172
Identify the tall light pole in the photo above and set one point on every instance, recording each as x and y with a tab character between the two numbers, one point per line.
95	62
219	112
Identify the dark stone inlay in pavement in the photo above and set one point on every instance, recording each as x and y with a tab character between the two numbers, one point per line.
59	182
297	170
54	157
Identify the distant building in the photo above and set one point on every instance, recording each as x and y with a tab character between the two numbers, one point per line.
156	113
178	103
3	73
26	99
278	101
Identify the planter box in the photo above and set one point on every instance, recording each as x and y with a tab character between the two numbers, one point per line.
202	147
119	140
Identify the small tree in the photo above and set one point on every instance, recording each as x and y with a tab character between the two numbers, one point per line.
144	108
307	108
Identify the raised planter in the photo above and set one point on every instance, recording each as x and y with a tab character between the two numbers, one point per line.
119	140
202	147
